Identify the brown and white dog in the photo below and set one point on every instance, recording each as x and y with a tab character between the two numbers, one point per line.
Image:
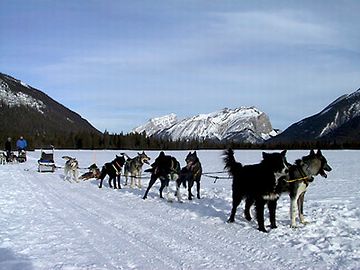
94	172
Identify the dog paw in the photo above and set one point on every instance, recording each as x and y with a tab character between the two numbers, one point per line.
304	222
263	230
230	220
248	218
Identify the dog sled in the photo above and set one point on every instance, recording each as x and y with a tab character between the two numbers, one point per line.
46	162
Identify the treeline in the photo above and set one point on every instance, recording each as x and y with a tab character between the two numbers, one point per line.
136	141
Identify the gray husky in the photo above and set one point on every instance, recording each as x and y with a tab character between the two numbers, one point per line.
71	169
301	174
133	166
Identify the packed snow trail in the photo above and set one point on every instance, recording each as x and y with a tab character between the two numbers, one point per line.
49	223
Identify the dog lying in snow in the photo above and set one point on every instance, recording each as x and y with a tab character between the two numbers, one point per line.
94	172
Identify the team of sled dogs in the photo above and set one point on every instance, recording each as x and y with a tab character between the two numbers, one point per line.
260	184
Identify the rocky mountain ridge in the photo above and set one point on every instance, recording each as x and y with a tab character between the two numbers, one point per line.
243	124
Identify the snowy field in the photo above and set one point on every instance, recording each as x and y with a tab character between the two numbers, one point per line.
49	223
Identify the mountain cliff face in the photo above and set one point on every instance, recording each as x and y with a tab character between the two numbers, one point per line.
244	124
339	121
155	125
28	111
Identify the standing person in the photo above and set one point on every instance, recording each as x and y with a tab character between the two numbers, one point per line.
21	144
8	149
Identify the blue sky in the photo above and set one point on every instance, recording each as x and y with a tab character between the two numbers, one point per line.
119	63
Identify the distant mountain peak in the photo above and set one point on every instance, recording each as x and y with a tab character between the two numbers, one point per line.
342	116
156	124
243	124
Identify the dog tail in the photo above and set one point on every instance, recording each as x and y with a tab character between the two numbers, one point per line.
67	157
230	163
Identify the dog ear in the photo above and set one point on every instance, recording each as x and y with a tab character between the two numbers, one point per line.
264	155
195	153
319	152
283	153
312	152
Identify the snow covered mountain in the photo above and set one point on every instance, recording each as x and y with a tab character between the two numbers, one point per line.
30	112
339	121
244	124
155	125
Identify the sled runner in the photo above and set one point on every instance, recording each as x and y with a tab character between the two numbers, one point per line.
46	162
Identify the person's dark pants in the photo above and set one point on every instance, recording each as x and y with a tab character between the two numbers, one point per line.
8	155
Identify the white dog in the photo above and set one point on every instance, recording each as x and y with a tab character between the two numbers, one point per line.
2	158
71	167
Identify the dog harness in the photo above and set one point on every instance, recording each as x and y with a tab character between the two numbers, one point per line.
306	179
118	171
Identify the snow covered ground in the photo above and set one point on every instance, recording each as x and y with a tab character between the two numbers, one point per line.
49	223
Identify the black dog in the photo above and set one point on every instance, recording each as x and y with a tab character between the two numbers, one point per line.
165	168
191	173
256	182
113	169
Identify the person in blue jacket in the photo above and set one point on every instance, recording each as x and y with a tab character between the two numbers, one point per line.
21	144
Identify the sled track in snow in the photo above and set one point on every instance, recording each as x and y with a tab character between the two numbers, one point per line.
150	237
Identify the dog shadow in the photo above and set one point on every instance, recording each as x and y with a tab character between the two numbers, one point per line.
9	260
207	206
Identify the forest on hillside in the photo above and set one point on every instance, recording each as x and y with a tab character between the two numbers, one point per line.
136	141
